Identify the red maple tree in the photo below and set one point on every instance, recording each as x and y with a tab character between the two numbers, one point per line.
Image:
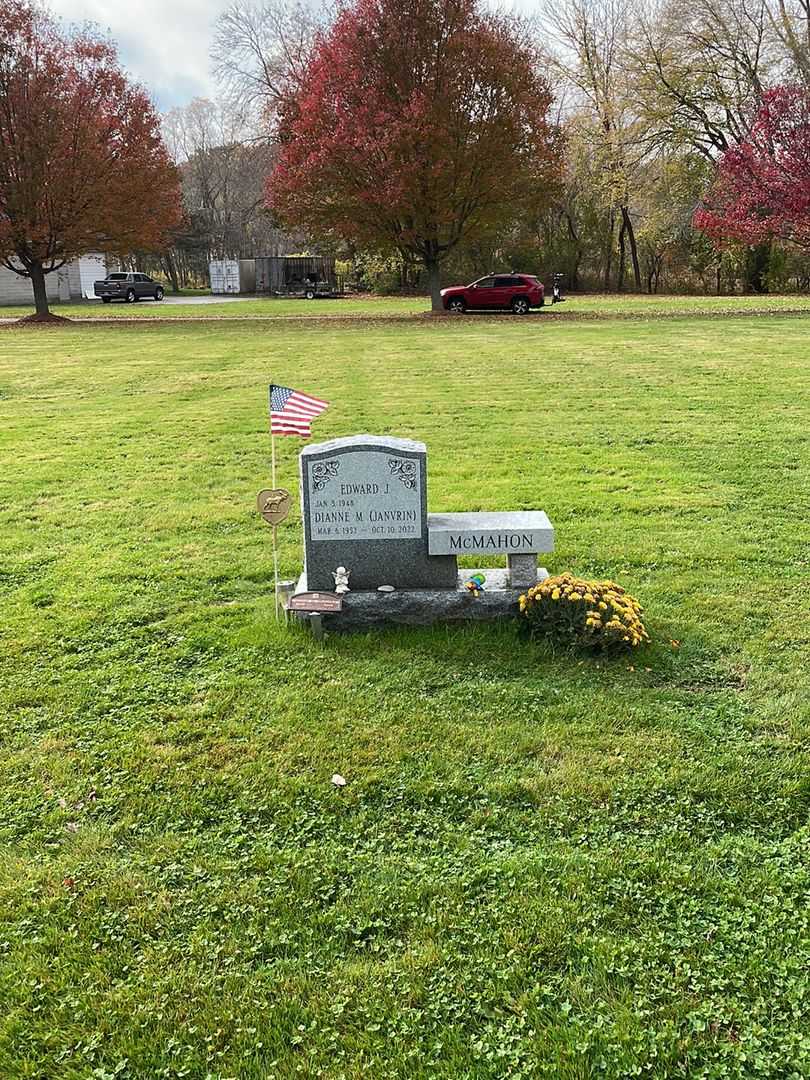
762	187
82	163
414	126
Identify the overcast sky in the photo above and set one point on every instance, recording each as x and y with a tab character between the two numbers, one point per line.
162	43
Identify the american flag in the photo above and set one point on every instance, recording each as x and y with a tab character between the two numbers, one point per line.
292	411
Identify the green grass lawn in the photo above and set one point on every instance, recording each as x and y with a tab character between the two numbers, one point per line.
543	864
384	306
625	306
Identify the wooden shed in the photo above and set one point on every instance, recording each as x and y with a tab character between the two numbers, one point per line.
295	275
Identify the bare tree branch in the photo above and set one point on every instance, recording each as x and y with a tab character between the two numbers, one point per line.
259	52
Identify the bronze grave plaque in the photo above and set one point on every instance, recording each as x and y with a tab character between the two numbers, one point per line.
274	504
316	602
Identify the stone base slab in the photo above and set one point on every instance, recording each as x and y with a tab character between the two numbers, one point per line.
422	607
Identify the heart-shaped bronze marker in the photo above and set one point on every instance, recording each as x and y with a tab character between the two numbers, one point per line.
274	504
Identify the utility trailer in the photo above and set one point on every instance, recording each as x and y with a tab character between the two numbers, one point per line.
309	277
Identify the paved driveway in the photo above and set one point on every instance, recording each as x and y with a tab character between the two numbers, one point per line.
203	299
184	300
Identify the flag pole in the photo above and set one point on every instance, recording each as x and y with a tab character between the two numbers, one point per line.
292	420
275	569
275	547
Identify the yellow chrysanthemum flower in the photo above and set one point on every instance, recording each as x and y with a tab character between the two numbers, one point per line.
610	616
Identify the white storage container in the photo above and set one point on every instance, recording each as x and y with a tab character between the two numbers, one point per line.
224	275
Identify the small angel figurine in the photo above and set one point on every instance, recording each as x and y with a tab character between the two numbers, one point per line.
341	576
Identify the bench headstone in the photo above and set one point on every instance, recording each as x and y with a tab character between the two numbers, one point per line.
518	532
364	506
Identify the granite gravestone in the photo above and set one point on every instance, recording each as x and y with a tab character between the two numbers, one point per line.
364	506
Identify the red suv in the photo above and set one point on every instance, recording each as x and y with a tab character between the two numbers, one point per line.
520	292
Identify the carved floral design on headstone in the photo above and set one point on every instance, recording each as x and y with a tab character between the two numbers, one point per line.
323	472
404	470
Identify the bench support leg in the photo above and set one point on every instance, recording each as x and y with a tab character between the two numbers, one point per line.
522	571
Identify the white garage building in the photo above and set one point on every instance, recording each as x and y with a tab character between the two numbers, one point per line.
73	282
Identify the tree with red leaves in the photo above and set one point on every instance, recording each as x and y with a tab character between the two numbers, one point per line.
762	187
82	163
415	126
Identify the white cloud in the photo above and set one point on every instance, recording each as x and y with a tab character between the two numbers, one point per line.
163	44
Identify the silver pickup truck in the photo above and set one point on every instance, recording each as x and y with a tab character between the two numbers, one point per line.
129	287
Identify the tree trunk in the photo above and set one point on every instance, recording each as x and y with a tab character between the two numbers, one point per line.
37	275
756	267
631	235
572	236
432	267
622	257
609	256
171	270
574	283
